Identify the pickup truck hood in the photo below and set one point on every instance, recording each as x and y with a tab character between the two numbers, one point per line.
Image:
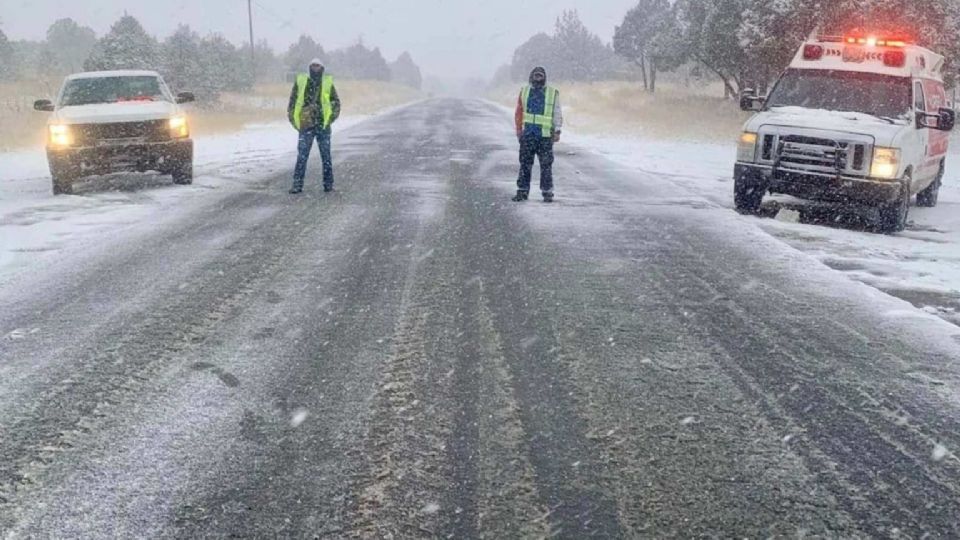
883	132
130	111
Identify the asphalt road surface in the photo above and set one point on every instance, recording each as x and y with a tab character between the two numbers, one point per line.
416	356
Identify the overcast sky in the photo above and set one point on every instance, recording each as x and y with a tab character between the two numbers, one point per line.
453	38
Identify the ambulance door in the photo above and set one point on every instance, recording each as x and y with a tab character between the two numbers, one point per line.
918	150
937	141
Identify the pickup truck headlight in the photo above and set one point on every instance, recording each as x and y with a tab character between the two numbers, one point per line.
747	147
179	127
886	163
60	135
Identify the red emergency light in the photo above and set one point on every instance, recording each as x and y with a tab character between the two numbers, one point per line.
812	52
896	59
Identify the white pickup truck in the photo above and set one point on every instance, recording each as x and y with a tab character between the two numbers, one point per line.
117	121
857	119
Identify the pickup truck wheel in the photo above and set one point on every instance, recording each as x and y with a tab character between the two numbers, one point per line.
928	197
747	197
183	173
62	180
893	216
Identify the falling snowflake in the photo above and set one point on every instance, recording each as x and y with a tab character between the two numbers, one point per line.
939	452
299	416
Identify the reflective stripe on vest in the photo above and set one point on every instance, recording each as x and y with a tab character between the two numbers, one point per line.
326	90
545	120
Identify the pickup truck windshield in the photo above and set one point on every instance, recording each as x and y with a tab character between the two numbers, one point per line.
112	90
879	95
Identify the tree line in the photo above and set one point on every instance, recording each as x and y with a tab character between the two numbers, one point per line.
741	43
571	53
207	65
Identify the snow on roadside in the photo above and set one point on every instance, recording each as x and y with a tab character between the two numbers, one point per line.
34	222
920	265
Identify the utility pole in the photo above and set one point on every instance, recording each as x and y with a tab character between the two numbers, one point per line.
253	49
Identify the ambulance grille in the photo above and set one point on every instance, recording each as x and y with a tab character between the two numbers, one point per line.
797	153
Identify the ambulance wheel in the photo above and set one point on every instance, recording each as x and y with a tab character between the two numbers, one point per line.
928	197
893	216
747	197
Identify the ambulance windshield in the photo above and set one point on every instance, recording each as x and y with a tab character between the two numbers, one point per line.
880	95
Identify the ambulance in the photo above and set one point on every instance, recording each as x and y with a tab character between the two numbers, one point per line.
860	119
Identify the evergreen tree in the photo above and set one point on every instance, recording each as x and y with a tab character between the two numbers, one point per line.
359	62
647	37
126	46
572	53
406	72
540	50
300	54
182	67
223	68
68	45
7	68
584	55
266	64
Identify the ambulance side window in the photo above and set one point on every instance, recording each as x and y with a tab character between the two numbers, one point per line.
920	102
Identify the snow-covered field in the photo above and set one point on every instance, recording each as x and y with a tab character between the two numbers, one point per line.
920	265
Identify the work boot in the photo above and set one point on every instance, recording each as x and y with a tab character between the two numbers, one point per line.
547	197
327	189
295	191
520	196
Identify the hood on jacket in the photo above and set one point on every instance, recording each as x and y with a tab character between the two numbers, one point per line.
316	62
536	70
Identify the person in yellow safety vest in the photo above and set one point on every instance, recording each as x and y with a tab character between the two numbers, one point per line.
314	107
539	120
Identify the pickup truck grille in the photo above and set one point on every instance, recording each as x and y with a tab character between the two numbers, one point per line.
803	154
146	131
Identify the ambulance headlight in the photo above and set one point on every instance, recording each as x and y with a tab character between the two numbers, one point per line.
747	147
886	163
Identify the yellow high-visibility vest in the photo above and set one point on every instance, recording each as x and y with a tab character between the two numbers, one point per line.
545	120
326	90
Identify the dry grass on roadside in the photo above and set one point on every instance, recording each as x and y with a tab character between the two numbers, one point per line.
674	112
21	126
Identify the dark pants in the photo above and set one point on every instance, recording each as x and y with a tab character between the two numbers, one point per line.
307	136
536	147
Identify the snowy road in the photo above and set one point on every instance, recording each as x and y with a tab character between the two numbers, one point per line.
415	356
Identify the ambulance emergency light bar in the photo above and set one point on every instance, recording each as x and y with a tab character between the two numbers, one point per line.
894	59
870	40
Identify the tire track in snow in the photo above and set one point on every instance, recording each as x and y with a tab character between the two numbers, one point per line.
110	378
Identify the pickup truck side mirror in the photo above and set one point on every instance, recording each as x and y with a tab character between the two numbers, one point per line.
751	102
44	105
944	120
186	97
